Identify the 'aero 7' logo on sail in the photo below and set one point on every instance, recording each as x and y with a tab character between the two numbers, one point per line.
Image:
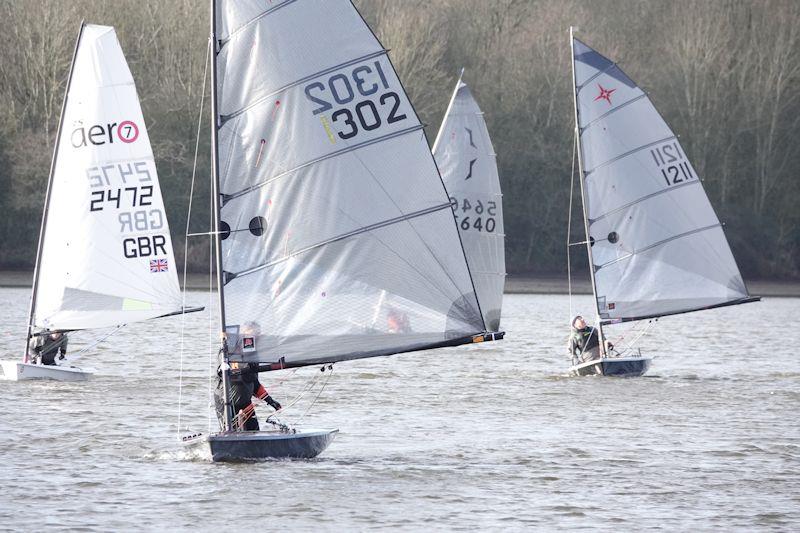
126	131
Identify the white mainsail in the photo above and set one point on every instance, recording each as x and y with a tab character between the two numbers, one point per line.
331	200
657	245
466	159
106	256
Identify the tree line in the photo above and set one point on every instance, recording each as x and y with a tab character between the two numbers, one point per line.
724	73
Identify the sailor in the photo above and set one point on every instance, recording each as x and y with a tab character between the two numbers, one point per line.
48	346
583	343
243	386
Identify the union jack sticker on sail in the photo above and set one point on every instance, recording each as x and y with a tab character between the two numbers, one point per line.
158	265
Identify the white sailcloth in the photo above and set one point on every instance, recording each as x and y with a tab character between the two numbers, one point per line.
107	254
658	246
466	159
338	240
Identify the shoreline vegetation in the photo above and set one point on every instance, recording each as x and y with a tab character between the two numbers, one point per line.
515	284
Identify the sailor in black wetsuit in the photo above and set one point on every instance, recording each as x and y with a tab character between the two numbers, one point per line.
48	346
244	385
584	343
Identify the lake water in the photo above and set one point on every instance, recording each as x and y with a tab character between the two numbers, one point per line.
490	437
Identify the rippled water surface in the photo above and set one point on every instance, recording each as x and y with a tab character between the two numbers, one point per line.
494	436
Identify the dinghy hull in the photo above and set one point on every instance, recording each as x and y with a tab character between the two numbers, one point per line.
240	446
613	366
19	371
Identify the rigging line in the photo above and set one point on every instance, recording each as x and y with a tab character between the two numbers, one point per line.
95	343
314	401
186	240
569	224
343	236
228	197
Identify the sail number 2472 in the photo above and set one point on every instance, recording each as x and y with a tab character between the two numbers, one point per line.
359	101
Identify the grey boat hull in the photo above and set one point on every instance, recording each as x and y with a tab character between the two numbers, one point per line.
613	366
241	446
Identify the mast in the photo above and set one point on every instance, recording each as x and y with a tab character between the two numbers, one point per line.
32	309
583	195
215	192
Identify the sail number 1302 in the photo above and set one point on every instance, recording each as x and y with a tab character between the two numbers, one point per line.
368	113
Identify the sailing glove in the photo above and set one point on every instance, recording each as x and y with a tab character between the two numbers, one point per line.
272	403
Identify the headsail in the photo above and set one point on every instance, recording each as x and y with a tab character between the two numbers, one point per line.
657	245
466	159
337	237
106	253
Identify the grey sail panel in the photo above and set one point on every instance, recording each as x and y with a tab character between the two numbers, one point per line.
658	246
341	242
467	161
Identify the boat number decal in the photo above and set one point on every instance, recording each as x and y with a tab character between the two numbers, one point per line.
475	215
127	189
358	101
672	163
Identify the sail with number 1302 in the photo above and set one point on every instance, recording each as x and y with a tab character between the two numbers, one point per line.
336	239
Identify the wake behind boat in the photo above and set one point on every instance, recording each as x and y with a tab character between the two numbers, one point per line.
654	243
105	255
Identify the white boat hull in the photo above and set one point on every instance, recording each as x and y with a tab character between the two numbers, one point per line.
613	366
19	371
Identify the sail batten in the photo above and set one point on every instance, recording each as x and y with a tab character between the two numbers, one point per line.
467	161
657	245
337	241
107	254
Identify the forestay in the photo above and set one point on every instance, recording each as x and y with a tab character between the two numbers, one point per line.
466	160
658	246
107	255
337	237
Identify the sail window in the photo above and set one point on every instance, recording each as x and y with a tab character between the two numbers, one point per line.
258	226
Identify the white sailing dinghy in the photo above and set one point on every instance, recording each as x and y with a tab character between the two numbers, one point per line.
655	245
467	161
105	255
329	204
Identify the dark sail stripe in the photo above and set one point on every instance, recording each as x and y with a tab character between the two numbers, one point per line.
643	198
626	154
228	197
659	243
225	118
378	225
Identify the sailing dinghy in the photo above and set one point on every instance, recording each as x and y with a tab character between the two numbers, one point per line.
105	255
466	159
335	237
655	244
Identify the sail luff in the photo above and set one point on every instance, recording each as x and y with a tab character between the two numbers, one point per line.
215	191
43	225
447	112
583	191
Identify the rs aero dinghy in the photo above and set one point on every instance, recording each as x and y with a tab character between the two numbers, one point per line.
336	240
105	256
655	245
